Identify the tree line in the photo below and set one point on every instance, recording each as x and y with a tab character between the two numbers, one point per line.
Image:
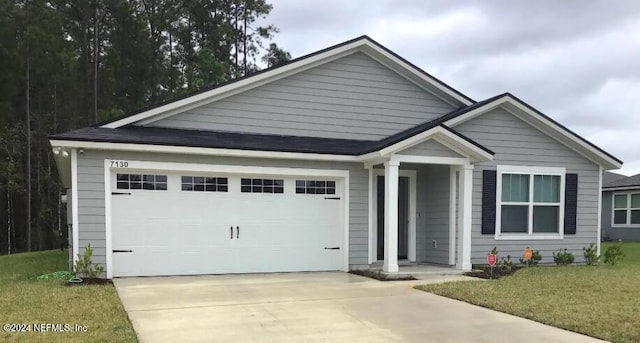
66	64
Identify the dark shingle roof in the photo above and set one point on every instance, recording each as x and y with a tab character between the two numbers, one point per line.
233	140
609	177
625	181
236	140
214	139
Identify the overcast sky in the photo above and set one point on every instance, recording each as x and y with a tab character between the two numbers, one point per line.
576	61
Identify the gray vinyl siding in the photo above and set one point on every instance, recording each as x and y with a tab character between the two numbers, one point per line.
91	215
430	148
432	203
616	233
352	97
517	143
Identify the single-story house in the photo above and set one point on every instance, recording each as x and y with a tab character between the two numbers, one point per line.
620	207
345	158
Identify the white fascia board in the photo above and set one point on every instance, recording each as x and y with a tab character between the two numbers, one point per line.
547	126
457	161
202	151
237	87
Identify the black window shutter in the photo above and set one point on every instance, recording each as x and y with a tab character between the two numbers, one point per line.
488	202
570	203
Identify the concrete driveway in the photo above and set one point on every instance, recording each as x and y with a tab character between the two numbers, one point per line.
311	307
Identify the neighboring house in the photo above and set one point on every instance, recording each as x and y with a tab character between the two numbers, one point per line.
339	159
620	207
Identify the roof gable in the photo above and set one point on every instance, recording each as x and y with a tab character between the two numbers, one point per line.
362	44
353	97
538	120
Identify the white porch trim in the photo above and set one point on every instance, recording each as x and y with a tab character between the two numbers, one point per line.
372	242
373	214
453	191
465	184
74	205
391	169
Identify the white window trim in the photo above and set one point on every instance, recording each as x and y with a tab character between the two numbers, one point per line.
503	169
628	209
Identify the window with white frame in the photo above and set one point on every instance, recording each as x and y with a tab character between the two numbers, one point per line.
530	201
626	209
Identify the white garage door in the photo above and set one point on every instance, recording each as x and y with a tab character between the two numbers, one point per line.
193	223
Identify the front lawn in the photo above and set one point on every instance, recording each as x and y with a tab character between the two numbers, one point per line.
25	300
601	301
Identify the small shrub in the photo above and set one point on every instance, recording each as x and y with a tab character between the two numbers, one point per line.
84	266
563	258
614	254
591	257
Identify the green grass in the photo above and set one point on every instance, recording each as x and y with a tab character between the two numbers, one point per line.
601	301
23	299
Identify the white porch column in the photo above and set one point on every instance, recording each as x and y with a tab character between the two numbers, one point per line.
391	217
465	187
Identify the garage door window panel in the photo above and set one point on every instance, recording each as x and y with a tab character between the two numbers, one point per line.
315	187
149	182
204	184
262	186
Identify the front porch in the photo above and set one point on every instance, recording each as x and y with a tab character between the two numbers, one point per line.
420	217
420	204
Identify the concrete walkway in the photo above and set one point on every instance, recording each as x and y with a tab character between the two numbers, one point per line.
314	307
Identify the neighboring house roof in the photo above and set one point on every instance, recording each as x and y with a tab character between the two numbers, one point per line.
362	44
626	182
609	177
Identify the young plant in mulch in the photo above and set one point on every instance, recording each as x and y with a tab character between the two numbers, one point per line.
504	267
85	272
380	276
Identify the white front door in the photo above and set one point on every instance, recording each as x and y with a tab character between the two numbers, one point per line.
194	223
